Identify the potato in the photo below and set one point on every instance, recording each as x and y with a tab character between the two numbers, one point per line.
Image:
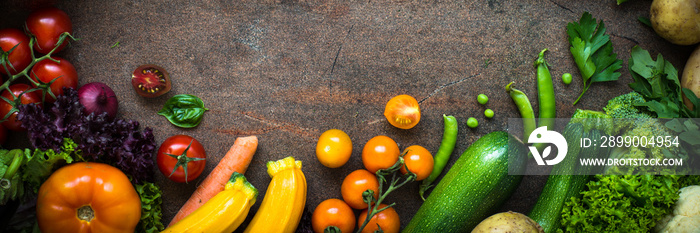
691	76
677	21
508	222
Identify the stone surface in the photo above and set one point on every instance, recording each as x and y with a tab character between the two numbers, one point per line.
286	71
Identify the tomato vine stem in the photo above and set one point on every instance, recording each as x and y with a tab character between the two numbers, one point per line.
396	182
44	87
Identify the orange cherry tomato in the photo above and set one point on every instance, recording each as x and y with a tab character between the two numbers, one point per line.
334	148
388	220
380	152
402	111
88	197
333	212
419	161
355	184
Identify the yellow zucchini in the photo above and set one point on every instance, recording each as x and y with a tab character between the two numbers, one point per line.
222	213
284	200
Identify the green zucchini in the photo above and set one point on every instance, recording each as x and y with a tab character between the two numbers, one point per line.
560	187
473	189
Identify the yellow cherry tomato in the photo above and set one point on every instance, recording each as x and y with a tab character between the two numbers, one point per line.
334	148
402	111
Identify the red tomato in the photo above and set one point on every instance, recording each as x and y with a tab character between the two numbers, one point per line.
419	161
12	123
181	158
21	56
63	71
380	152
47	25
356	183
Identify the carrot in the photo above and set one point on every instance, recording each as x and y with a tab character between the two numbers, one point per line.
236	159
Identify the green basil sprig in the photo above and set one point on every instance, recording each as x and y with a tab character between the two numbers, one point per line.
183	110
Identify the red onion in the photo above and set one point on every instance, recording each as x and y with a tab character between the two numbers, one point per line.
97	97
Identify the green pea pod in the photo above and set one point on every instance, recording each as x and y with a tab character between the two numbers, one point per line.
449	139
525	108
184	110
545	93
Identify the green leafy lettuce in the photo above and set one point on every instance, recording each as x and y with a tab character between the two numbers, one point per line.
592	51
23	171
151	214
621	203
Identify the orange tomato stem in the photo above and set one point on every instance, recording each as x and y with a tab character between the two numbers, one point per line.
86	213
396	183
331	229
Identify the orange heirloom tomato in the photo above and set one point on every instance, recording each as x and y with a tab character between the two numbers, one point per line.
334	148
333	212
388	220
88	197
355	184
419	161
380	152
402	111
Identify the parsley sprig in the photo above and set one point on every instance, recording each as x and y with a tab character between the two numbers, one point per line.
592	51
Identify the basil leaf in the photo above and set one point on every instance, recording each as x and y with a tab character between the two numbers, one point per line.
184	110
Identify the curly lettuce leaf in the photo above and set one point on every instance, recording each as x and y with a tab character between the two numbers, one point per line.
151	214
621	204
592	51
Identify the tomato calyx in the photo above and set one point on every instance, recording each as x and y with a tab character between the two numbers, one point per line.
332	229
16	101
86	213
183	160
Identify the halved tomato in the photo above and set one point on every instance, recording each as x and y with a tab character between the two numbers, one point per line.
402	111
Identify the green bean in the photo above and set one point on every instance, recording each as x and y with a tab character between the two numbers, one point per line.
525	109
449	139
545	93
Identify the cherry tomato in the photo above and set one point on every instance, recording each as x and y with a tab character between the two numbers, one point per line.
21	56
47	25
333	212
88	197
181	158
12	123
334	148
402	111
380	152
388	220
64	73
419	161
355	184
150	81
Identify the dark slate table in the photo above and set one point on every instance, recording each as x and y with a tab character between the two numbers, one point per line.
286	71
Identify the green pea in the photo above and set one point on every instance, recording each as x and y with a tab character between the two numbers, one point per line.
488	113
482	99
472	122
566	78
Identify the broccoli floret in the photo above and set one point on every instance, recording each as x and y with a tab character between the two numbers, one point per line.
625	106
645	130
